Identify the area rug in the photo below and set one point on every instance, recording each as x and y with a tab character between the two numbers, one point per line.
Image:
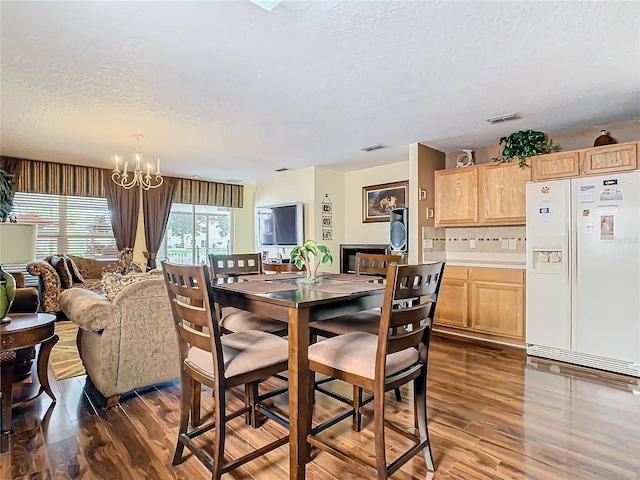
64	357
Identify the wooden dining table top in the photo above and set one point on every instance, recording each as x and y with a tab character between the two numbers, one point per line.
304	294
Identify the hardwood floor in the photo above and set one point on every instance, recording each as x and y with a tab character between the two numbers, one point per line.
493	414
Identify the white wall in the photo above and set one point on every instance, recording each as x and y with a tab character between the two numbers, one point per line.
243	223
355	231
287	187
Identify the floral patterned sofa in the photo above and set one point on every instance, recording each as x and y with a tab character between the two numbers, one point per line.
54	278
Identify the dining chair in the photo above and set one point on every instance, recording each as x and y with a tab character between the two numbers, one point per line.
368	321
220	362
233	319
378	363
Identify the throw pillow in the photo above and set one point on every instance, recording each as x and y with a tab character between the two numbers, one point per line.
61	268
113	283
76	276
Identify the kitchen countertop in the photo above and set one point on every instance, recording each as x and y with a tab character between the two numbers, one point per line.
485	260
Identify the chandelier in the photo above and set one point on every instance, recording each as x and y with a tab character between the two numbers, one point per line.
128	179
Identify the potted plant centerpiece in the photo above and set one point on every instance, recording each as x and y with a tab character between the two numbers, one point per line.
523	144
305	255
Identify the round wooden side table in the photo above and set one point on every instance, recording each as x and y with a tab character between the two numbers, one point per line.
25	330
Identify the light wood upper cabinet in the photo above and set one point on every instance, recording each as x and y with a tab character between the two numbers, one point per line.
488	194
456	196
620	157
610	158
555	165
502	193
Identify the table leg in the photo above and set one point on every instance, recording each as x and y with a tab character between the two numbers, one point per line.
43	363
7	386
300	402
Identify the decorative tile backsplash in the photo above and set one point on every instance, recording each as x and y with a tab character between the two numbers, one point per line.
486	239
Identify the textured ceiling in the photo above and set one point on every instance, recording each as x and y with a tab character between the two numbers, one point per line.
229	91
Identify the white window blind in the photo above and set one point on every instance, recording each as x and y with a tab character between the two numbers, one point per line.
73	225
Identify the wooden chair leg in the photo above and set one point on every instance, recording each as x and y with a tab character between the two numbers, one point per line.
196	394
251	399
398	394
379	440
357	403
186	387
420	395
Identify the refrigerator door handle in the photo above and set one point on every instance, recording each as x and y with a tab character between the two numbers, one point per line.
567	245
574	257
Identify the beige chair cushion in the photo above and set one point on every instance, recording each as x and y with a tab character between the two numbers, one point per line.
356	353
235	320
243	352
368	321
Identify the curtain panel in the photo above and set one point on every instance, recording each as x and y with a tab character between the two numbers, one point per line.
199	192
61	179
124	206
156	206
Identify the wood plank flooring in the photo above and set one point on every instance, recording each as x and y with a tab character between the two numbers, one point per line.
493	414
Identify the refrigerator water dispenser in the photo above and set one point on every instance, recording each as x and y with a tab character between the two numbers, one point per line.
549	261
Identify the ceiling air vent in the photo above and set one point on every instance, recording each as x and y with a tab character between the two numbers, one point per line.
370	148
283	169
502	118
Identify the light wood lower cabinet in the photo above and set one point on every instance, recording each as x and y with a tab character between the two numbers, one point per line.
453	298
485	303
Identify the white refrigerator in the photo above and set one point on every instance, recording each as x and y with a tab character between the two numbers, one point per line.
583	271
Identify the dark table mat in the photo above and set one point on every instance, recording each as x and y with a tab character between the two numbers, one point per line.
345	287
351	277
258	287
271	276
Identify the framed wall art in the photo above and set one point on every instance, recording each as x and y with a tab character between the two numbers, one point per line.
379	200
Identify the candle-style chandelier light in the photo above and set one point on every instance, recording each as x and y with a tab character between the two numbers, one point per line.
127	179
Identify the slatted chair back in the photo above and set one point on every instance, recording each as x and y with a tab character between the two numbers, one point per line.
189	289
408	309
375	263
235	264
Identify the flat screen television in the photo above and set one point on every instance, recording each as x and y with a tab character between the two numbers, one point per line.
280	225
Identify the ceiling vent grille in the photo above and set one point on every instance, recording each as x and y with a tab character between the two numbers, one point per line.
503	118
283	169
370	148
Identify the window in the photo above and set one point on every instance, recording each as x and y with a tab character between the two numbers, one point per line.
213	233
73	225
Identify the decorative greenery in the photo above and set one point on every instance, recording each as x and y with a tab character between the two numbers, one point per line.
523	144
6	199
303	255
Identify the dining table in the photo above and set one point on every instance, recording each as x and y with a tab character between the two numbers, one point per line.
286	297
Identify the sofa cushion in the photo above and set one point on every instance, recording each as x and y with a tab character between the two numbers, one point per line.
114	283
76	276
62	270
